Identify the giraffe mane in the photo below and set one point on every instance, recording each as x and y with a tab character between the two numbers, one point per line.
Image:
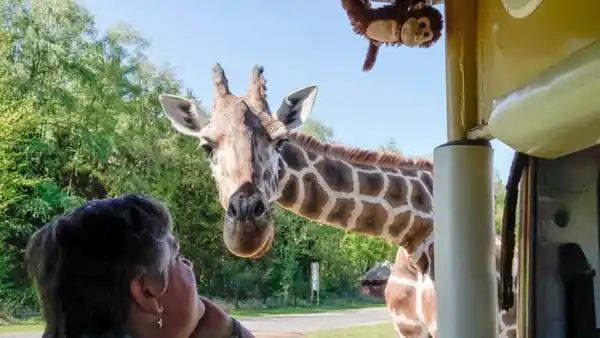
356	155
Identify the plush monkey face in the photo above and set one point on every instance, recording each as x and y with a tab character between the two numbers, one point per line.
384	31
416	31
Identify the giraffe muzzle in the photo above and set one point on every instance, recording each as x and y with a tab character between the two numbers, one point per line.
246	208
248	227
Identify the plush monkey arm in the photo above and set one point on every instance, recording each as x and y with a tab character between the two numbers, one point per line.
359	14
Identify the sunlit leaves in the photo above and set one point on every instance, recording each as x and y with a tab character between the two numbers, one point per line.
80	119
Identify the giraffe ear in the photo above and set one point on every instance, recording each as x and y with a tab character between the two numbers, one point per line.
184	114
297	106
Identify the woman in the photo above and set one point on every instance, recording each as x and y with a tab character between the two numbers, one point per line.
112	268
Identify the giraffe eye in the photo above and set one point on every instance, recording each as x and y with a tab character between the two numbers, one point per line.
279	143
207	148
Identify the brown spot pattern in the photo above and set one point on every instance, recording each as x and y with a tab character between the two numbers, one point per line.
420	198
424	263
431	252
336	174
371	219
390	170
408	330
294	157
400	222
410	172
368	167
419	230
429	306
289	195
369	184
311	155
397	191
341	212
315	197
403	298
427	180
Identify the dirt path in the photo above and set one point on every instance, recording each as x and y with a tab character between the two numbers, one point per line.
294	323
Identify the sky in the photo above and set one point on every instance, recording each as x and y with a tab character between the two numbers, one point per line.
300	43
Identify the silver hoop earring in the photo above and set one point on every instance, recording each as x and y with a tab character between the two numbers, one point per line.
159	322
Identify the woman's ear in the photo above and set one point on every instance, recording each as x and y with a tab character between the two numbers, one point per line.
145	293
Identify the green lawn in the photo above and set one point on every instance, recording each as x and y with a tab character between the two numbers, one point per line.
18	328
241	313
372	331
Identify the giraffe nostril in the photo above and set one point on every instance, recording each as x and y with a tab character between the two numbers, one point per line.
232	211
246	205
259	209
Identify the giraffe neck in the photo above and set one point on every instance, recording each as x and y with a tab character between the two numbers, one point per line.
394	203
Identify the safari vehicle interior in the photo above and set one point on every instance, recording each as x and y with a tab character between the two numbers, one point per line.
561	238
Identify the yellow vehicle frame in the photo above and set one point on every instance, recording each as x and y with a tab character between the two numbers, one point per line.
525	72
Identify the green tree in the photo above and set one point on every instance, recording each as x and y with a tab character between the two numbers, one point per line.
391	146
499	195
318	130
80	120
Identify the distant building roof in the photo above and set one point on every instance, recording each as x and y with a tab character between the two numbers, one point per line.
380	272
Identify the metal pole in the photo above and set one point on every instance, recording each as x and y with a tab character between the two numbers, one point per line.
460	18
464	240
318	298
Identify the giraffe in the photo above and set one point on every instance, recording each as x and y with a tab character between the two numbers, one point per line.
258	159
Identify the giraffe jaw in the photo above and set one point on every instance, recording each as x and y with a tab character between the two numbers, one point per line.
258	254
249	240
265	248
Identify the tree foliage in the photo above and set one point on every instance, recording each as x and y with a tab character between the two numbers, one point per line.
80	119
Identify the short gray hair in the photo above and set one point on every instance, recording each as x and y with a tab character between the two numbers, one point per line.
82	263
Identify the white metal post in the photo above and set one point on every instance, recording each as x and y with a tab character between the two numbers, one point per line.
464	240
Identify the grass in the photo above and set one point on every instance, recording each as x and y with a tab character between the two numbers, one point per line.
372	331
19	328
37	325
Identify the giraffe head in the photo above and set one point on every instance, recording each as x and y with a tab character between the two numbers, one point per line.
242	142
